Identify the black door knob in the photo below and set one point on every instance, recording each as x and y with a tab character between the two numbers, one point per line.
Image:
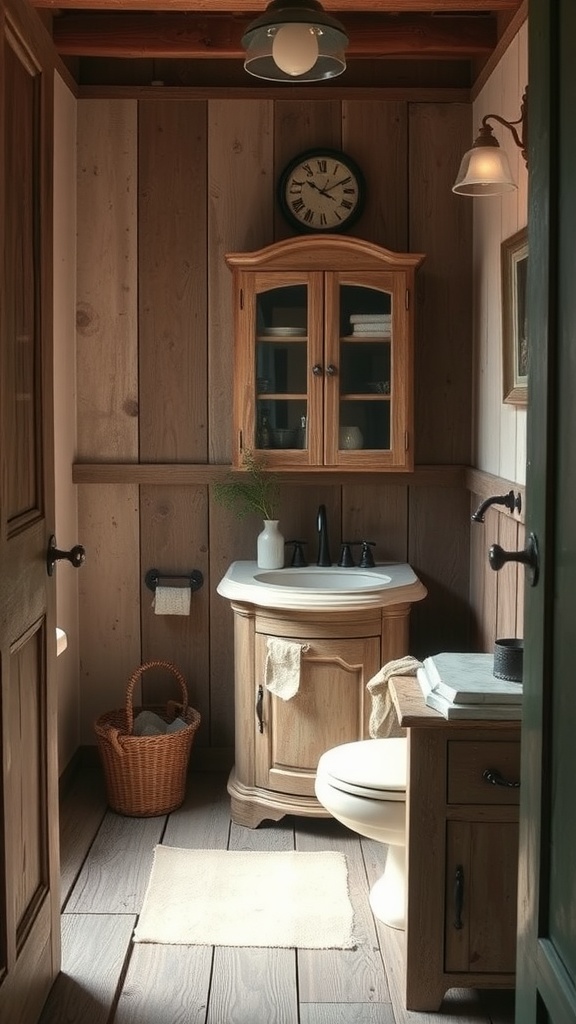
529	557
76	555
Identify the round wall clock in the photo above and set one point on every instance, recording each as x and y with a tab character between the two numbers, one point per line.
321	190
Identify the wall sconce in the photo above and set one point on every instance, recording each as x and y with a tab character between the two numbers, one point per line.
485	170
295	41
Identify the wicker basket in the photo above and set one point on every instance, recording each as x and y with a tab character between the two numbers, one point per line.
146	775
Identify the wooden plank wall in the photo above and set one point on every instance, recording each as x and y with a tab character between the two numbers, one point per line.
166	188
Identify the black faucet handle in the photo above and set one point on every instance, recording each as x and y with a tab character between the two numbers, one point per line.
366	557
346	558
298	560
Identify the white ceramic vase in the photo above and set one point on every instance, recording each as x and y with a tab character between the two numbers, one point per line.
270	546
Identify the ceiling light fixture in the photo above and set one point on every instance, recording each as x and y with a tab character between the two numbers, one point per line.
485	170
295	41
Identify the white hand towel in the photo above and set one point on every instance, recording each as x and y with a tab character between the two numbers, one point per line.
383	719
282	672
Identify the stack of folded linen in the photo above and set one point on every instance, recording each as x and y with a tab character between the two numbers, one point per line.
464	686
377	325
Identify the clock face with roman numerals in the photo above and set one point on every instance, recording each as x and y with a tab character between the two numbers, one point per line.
321	190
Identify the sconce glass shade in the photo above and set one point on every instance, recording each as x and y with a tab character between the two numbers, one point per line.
484	171
295	41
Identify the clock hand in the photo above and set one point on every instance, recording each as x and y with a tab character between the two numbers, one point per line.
335	185
322	191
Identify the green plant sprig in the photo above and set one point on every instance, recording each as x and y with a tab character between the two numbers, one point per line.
255	490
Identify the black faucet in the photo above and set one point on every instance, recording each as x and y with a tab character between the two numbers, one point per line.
511	501
323	546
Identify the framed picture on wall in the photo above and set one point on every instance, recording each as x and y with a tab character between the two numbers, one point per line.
514	254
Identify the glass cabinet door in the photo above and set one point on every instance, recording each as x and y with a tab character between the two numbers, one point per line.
284	346
365	369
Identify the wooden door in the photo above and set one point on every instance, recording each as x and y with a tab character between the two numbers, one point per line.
330	707
29	905
547	888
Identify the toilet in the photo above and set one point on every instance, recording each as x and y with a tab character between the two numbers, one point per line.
363	785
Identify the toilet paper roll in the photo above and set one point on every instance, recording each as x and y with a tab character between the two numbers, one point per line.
172	600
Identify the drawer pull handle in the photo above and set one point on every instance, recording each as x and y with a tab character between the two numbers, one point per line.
495	778
259	702
458	896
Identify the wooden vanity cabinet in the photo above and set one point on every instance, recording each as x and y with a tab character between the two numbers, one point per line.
462	851
279	743
323	354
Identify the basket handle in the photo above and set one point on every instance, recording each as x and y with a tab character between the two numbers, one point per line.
134	679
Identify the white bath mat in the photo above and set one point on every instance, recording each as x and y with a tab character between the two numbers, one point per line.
233	898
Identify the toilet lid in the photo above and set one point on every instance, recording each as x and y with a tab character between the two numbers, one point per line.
372	768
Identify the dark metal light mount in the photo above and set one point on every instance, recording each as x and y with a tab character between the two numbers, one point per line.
295	41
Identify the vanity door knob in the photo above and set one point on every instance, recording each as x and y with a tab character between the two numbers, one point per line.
529	557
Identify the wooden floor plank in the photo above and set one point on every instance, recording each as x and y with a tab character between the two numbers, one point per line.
203	821
81	812
342	975
94	949
346	1013
115	874
253	986
165	985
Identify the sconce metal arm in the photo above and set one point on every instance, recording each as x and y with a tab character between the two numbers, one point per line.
486	137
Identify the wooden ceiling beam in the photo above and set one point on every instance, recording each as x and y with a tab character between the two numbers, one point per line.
257	6
218	36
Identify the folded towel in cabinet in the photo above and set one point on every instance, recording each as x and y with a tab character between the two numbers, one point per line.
383	718
282	672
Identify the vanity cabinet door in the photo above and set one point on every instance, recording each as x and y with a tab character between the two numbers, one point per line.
481	904
331	707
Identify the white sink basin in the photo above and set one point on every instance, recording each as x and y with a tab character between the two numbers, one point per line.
321	588
322	580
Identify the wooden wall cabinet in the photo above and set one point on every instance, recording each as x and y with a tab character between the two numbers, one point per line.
323	366
279	743
462	851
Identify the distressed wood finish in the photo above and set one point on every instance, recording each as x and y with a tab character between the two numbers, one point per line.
278	743
109	979
240	149
172	279
107	282
385	218
109	600
455	821
29	904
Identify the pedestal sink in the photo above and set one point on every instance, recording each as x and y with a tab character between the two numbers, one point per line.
320	587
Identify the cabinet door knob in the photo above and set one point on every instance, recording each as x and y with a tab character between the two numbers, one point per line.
331	370
317	370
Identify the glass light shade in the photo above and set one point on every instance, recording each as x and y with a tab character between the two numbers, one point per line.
484	171
272	49
295	48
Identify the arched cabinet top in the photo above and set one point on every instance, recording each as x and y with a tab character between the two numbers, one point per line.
323	252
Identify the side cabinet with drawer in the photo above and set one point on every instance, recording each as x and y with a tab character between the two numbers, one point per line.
462	851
